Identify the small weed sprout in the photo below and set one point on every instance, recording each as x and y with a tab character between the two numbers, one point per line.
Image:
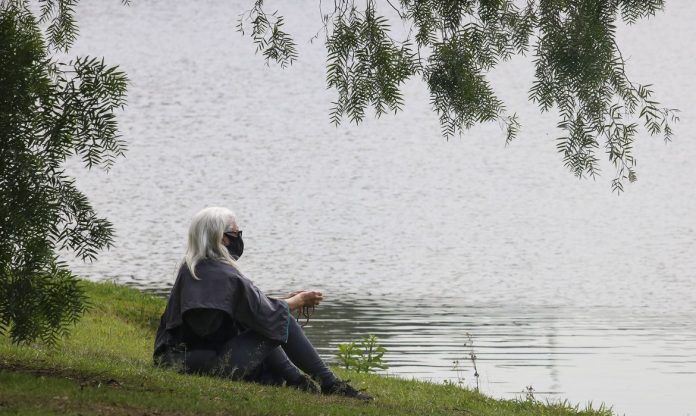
364	357
472	357
456	366
347	355
529	393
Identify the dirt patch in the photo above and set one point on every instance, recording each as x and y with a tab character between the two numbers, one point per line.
85	380
71	404
123	410
64	404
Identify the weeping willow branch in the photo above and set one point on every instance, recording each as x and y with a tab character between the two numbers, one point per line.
580	71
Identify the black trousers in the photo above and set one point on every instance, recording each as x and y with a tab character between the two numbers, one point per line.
252	357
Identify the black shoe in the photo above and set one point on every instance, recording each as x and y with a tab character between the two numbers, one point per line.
304	383
342	388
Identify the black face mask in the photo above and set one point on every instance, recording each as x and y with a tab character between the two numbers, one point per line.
236	247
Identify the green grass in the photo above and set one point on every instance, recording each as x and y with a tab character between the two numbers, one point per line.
105	367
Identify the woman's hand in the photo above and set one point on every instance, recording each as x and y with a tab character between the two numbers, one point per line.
304	298
311	297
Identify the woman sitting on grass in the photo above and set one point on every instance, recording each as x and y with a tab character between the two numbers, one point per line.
218	323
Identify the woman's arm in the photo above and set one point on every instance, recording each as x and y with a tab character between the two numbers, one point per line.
307	298
291	294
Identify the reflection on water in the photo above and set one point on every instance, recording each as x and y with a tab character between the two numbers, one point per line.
420	241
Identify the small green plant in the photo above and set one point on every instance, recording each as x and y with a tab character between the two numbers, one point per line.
367	356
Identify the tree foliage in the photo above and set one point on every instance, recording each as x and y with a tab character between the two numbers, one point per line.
453	44
49	111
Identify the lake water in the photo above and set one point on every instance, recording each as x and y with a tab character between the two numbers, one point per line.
560	284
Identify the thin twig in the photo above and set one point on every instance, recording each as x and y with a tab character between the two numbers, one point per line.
401	16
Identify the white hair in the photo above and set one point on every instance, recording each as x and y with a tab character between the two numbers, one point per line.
205	237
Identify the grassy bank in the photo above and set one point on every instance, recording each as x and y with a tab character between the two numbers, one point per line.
104	367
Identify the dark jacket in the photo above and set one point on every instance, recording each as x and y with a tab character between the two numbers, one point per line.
229	303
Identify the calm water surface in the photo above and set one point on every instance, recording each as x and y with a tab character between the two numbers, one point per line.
560	285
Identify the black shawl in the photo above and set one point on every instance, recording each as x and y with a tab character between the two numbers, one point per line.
221	287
